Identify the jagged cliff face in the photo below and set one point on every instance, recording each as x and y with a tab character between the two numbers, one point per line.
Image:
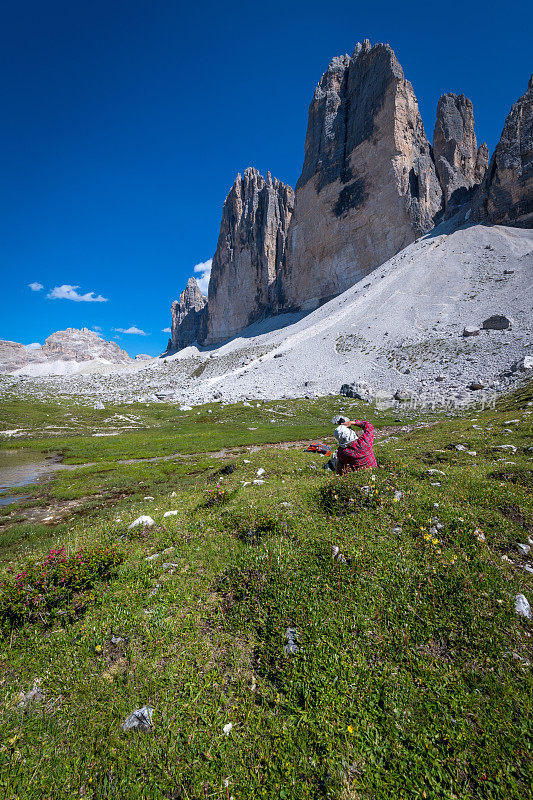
368	185
188	317
244	283
460	164
506	195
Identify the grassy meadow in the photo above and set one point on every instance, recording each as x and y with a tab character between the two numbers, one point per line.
410	675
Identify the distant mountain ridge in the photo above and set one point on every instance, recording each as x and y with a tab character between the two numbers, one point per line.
371	184
71	345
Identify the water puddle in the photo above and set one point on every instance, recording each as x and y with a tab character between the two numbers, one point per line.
20	468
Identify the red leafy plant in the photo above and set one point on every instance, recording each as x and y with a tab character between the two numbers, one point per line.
58	587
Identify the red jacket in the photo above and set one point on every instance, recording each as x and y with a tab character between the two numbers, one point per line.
358	454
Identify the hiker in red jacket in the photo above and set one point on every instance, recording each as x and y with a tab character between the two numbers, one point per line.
355	452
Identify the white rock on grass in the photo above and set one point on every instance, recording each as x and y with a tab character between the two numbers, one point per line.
149	497
336	554
260	472
170	514
522	607
523	549
145	521
35	693
153	558
292	638
140	719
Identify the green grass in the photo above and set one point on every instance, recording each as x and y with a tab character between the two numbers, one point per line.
404	684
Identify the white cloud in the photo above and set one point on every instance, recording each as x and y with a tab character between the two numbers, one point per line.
67	292
33	346
132	329
96	328
36	287
166	330
204	268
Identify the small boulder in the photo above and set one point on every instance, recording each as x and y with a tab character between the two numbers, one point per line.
145	521
524	365
498	322
522	607
141	719
359	390
471	330
475	386
402	396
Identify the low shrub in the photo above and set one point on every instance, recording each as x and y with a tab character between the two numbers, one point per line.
58	587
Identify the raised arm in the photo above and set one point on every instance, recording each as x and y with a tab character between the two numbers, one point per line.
368	430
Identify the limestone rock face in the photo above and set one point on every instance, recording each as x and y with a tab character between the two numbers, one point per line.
368	185
250	254
506	194
460	164
188	316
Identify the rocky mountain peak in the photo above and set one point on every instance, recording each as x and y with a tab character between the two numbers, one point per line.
75	344
505	196
63	347
244	283
368	185
460	164
188	316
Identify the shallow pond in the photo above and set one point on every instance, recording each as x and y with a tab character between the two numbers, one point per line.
20	468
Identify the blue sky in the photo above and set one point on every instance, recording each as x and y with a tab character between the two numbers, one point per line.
125	123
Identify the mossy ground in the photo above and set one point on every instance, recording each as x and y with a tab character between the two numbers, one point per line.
411	677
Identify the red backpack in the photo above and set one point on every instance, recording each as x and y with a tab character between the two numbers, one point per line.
318	447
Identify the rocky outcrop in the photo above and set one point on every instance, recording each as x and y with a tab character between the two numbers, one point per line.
460	164
244	284
368	185
506	194
188	316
